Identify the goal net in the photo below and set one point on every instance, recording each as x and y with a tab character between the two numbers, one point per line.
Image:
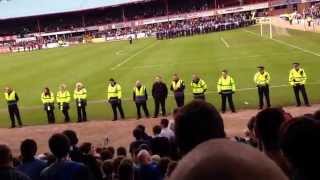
266	28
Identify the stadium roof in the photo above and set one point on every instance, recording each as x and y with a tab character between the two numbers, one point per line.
25	8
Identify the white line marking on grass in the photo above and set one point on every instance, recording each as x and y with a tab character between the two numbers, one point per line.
134	55
287	44
225	42
171	95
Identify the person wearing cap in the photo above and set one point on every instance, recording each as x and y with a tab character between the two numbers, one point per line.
297	79
226	88
262	80
199	87
114	98
178	87
47	98
159	94
80	96
140	97
12	99
63	100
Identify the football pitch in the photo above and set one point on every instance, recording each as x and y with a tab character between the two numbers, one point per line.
240	51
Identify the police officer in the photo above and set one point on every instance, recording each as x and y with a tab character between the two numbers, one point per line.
47	98
199	87
262	79
140	97
159	94
63	100
297	79
80	96
114	98
226	88
12	99
178	87
130	40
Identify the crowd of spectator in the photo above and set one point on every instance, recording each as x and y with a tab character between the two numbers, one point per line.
192	146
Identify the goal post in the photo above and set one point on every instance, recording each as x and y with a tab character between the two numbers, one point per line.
265	26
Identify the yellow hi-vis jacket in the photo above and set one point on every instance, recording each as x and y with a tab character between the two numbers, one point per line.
297	77
139	92
226	84
262	79
47	99
114	91
10	97
63	97
176	85
199	88
80	94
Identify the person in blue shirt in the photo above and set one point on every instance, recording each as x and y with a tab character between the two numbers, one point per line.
30	166
64	169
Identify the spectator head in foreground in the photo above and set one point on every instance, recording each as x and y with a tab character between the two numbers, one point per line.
28	149
267	128
126	170
121	151
144	157
72	136
197	122
59	145
5	156
300	144
226	160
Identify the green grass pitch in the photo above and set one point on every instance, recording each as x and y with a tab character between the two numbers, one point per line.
206	55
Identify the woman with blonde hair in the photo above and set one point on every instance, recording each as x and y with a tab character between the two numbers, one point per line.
80	96
47	98
63	100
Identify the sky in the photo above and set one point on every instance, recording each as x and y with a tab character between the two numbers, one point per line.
21	8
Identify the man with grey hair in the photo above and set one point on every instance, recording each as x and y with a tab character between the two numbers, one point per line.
148	169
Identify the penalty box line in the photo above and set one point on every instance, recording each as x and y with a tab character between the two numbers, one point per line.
287	44
134	55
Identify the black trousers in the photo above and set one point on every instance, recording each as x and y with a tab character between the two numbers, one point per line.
224	98
179	100
301	88
263	92
144	107
157	103
199	97
14	114
50	116
82	114
65	111
117	105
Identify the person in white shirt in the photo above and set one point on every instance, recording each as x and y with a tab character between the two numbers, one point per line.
166	131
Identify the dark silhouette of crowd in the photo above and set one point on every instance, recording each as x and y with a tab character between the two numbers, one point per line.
193	146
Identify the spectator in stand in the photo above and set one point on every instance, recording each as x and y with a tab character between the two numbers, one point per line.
159	94
160	145
138	135
219	159
90	160
126	170
7	172
111	150
197	122
166	131
299	144
107	168
121	151
145	136
106	155
116	165
148	170
63	169
316	115
74	153
163	165
267	129
30	165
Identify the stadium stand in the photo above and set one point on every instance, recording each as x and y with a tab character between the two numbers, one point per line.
275	132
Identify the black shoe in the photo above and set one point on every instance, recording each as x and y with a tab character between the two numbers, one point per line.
308	105
154	117
114	120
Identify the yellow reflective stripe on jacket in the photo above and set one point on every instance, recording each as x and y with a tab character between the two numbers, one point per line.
262	79
81	94
11	96
63	97
177	85
297	77
198	88
114	91
46	98
140	92
225	84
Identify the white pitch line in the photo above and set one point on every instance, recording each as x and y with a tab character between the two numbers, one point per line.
225	42
287	44
171	95
134	55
